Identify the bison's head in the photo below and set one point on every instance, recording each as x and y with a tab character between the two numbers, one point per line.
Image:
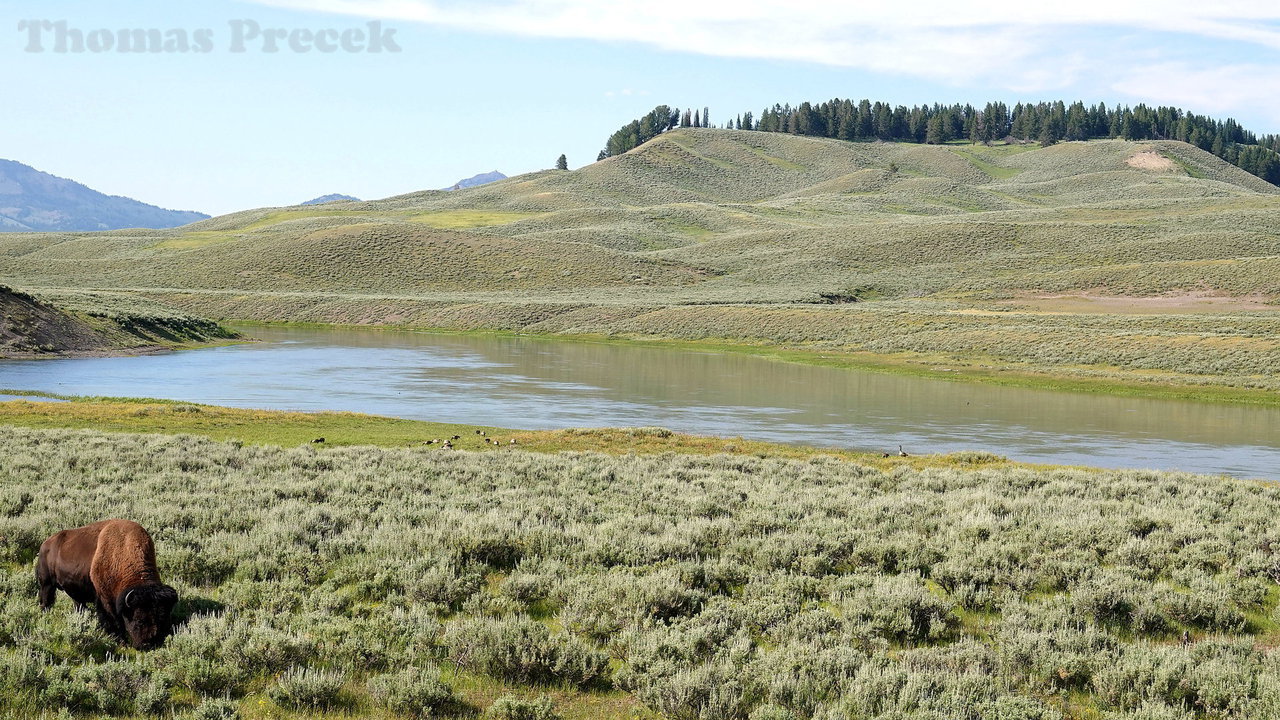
146	612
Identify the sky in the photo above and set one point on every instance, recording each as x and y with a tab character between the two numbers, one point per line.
278	101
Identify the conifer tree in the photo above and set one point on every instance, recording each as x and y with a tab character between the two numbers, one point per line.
936	132
562	163
1046	135
866	128
1043	122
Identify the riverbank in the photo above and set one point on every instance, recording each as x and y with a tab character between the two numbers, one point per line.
343	429
86	325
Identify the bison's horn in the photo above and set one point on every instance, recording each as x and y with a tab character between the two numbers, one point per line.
128	596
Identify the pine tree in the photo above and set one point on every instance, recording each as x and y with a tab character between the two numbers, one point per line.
1046	135
936	132
978	128
866	127
562	163
706	118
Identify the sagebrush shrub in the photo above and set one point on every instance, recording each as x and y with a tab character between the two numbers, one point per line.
523	650
305	688
509	707
414	691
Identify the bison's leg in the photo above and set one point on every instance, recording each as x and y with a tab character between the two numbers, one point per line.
48	586
108	621
48	593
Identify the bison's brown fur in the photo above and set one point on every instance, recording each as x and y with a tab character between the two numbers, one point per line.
111	564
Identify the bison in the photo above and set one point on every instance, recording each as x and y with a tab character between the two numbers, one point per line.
112	564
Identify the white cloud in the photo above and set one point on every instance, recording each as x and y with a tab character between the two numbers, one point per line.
1021	47
1217	90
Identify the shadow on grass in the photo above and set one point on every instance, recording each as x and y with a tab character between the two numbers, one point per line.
192	604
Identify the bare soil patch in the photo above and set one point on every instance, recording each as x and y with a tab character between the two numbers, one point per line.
1152	161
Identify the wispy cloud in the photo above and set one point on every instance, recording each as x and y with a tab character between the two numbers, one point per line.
1207	90
1019	47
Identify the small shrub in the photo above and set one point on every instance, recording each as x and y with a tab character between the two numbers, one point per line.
897	608
304	688
413	691
214	709
523	650
154	698
771	712
510	707
1017	707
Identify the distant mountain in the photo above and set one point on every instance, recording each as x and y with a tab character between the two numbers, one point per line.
481	179
334	197
31	200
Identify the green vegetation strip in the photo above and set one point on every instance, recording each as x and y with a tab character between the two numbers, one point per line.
339	429
395	583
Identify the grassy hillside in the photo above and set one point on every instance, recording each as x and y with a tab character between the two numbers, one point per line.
96	323
726	221
735	213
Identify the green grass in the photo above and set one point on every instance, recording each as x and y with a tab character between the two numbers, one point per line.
343	429
194	239
774	160
462	219
981	159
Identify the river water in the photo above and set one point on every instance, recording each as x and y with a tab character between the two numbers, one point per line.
538	383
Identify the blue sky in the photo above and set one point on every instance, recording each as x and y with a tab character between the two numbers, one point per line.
510	85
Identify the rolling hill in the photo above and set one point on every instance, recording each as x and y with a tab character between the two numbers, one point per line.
31	200
765	237
735	216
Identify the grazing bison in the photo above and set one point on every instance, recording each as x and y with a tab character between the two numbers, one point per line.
112	564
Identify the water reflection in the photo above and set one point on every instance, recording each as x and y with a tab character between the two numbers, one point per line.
539	383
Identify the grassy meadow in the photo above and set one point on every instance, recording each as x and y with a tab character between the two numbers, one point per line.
381	582
926	255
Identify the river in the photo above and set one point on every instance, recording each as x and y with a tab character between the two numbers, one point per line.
539	383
